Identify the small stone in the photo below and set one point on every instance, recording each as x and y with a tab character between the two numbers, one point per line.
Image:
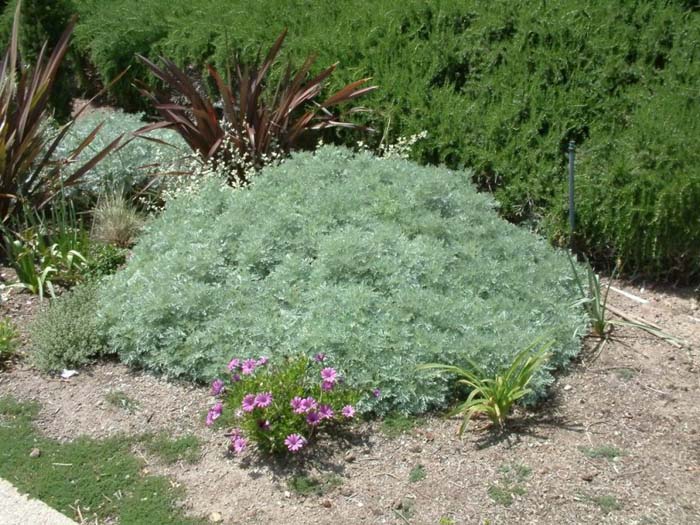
287	494
35	453
350	457
346	491
416	448
568	387
327	503
588	476
216	517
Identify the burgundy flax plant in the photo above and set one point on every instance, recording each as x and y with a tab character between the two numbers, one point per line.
29	177
251	126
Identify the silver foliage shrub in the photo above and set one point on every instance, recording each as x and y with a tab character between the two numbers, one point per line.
128	169
380	263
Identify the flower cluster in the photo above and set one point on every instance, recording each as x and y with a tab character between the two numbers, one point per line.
281	408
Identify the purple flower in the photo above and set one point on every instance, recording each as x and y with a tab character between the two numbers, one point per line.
217	387
327	385
313	418
320	357
348	411
329	374
263	400
308	404
296	404
248	366
295	442
236	378
234	364
248	403
238	444
325	412
264	424
377	392
214	413
262	361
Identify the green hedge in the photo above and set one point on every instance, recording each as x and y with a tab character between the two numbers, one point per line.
44	21
500	86
381	264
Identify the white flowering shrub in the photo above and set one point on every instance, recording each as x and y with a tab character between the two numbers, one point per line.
379	263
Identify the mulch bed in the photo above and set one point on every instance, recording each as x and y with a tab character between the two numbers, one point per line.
635	400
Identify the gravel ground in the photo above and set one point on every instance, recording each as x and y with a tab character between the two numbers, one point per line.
636	399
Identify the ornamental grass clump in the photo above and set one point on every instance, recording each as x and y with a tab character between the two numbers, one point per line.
281	407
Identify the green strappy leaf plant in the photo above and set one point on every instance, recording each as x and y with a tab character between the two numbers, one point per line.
495	396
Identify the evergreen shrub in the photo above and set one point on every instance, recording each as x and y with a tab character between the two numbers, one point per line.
500	86
66	334
379	263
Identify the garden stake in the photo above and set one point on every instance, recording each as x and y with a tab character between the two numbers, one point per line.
572	209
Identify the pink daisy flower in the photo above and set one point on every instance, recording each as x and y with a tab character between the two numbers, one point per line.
214	413
295	442
248	366
234	364
263	400
238	444
313	418
248	403
325	412
217	387
308	404
329	374
348	411
327	385
296	404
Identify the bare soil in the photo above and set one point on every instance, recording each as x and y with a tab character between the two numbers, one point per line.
634	400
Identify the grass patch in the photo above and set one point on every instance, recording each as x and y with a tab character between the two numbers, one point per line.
625	373
305	485
101	478
606	503
417	474
503	494
406	509
185	448
603	452
396	424
119	399
516	472
510	484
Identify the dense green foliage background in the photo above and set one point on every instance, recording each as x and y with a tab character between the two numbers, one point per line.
379	263
44	21
500	86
